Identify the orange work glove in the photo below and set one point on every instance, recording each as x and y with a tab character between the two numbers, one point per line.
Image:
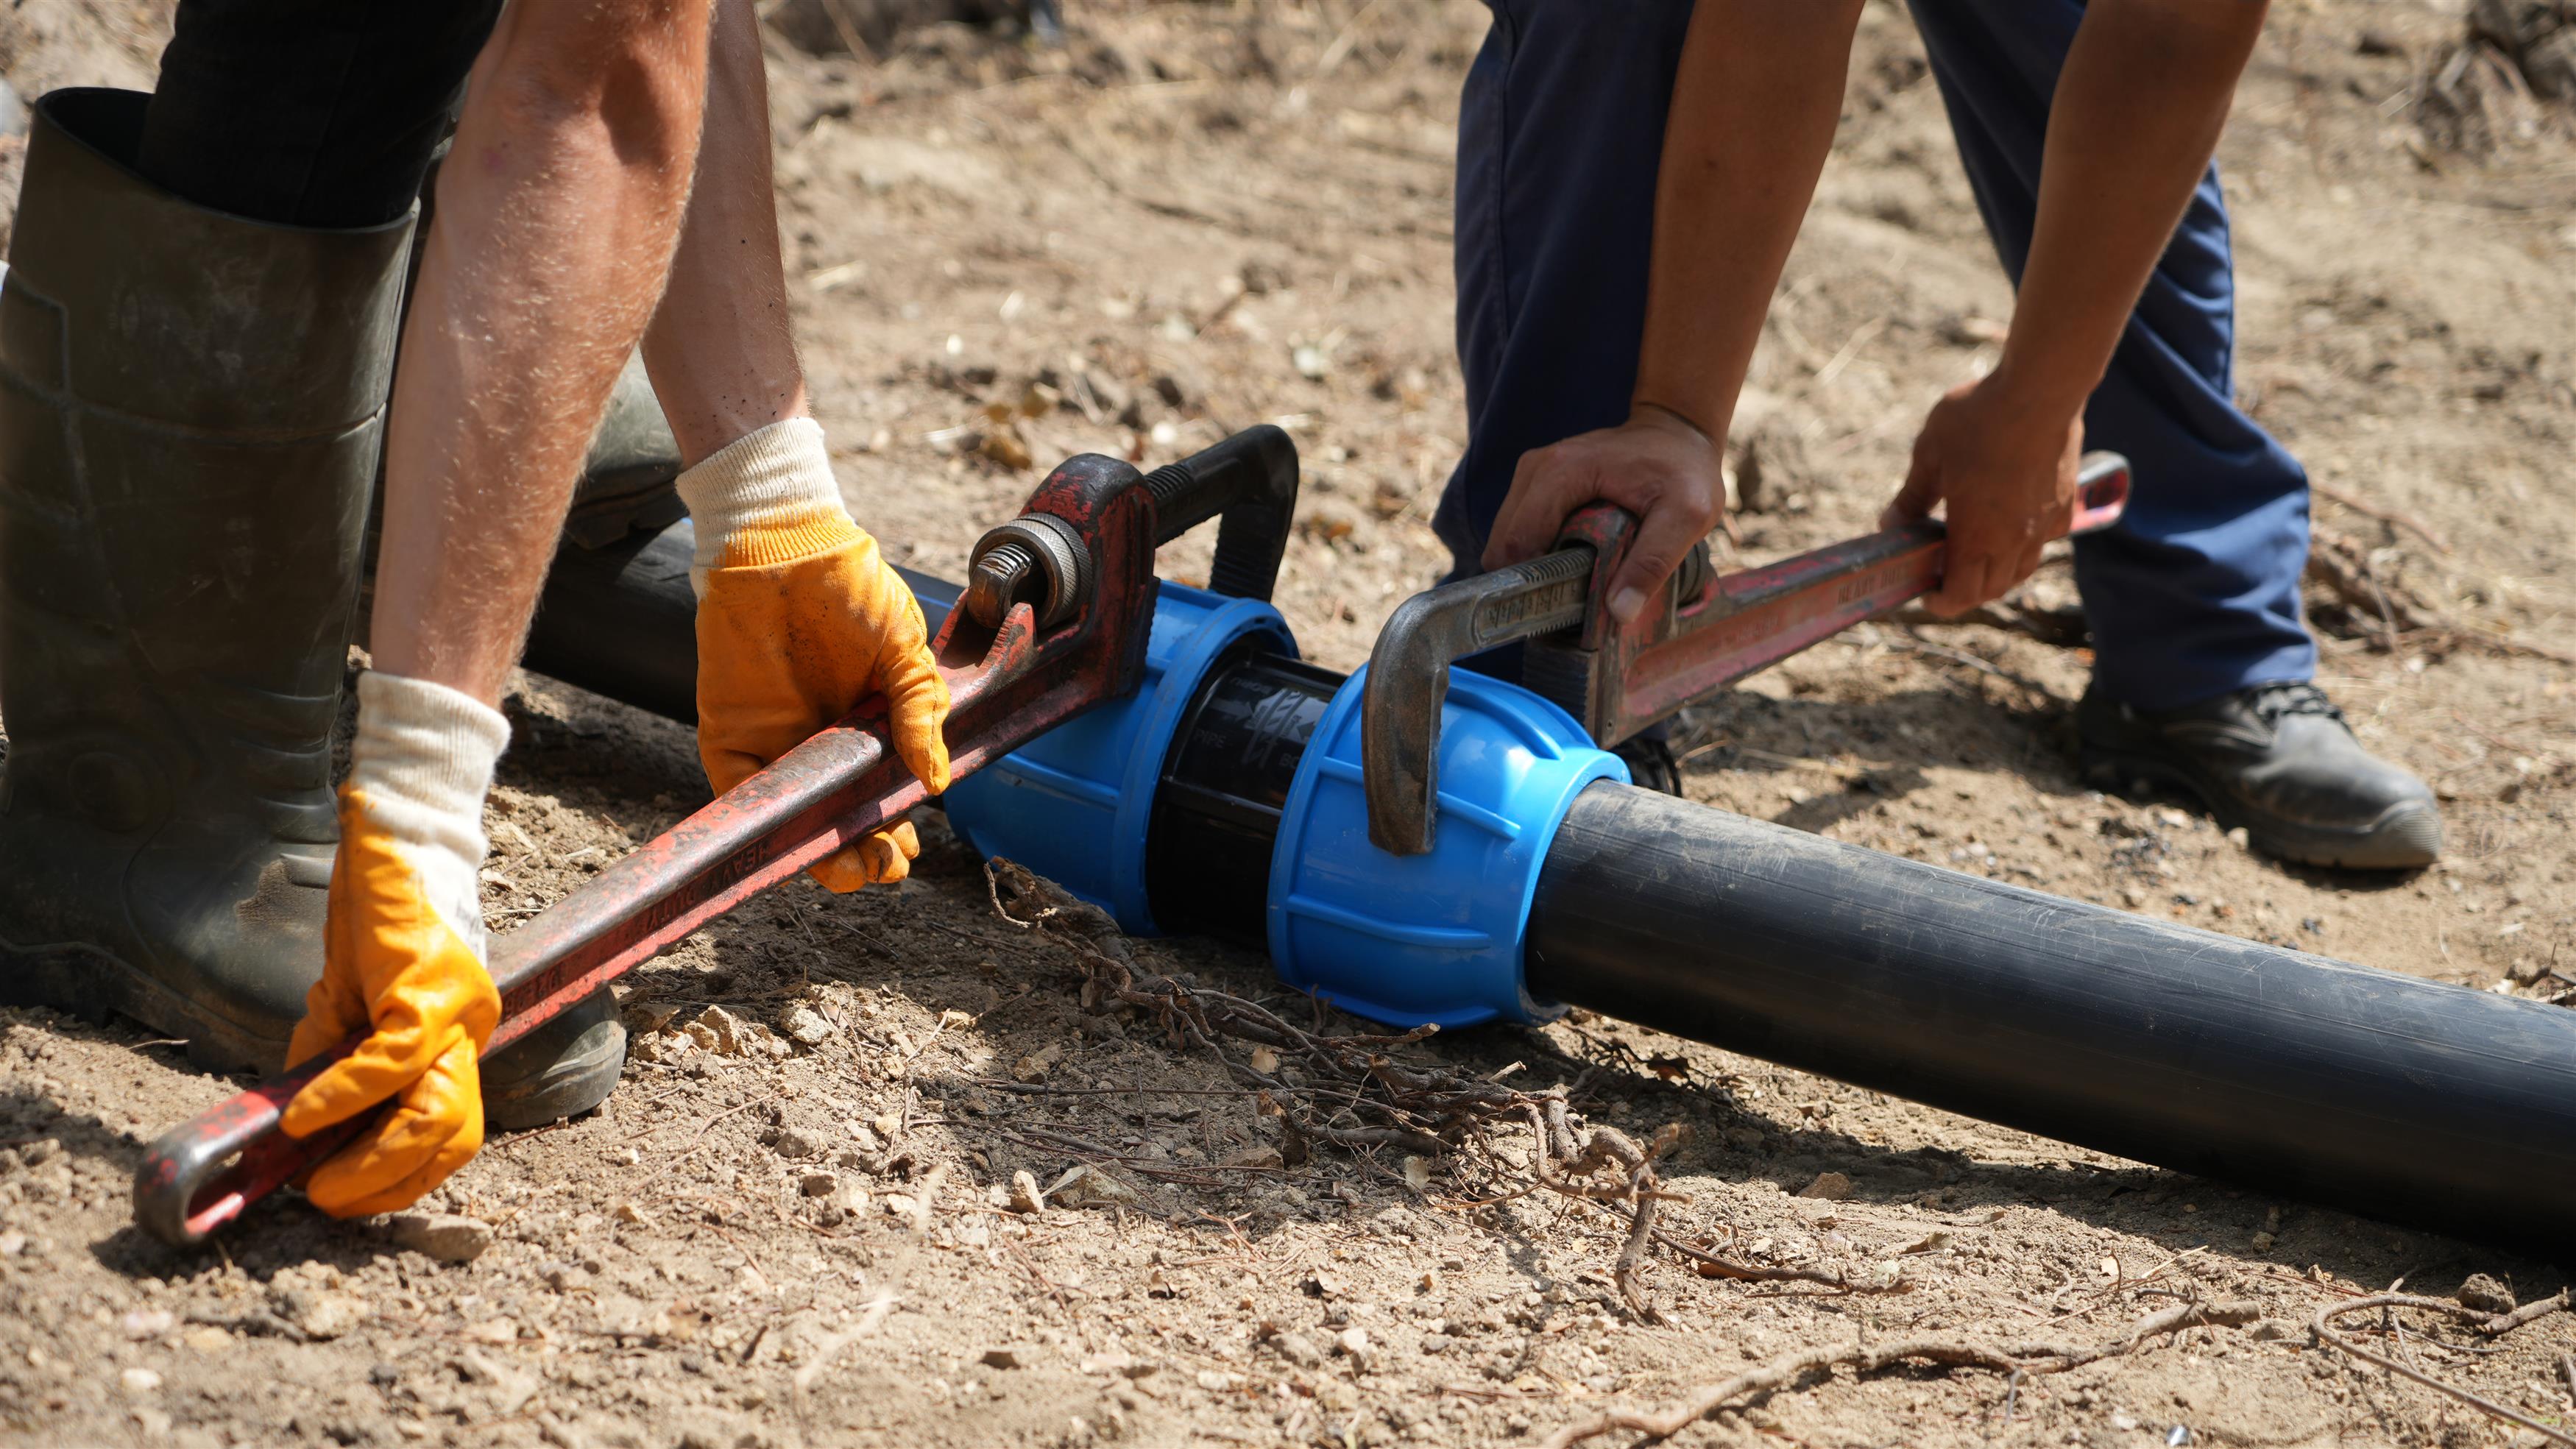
799	619
403	951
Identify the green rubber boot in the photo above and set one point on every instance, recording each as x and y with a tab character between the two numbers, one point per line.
191	405
191	411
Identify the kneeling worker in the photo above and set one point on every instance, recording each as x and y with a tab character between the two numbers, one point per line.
196	340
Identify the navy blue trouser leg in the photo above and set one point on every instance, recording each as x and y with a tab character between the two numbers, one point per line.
2196	593
1560	130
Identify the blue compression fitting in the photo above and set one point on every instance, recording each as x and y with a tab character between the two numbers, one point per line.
1073	804
1428	939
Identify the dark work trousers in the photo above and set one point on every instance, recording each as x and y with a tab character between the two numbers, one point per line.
1560	131
309	113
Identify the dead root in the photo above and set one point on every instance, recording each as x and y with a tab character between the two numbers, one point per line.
1785	1372
2492	1325
1717	1265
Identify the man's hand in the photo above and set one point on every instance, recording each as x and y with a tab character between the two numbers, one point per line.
1656	465
2007	469
799	620
403	953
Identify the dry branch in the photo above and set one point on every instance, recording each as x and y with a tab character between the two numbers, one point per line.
2394	517
2393	616
1869	1358
2491	1324
1716	1265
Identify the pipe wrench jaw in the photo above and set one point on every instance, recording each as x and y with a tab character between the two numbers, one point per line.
1702	632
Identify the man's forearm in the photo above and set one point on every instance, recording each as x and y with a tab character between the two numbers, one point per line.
1754	104
558	210
720	348
2136	117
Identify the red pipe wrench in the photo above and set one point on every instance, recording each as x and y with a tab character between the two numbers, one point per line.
1054	620
1702	633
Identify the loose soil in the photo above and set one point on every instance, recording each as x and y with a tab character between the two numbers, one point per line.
1194	217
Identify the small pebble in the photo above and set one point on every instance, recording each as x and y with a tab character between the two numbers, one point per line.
328	1315
148	1322
805	1026
444	1236
1828	1186
2485	1294
1025	1197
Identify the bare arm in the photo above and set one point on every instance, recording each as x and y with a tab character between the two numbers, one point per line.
1753	113
2139	106
1754	104
558	210
2136	117
721	350
800	617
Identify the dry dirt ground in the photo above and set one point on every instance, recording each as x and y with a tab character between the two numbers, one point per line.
1196	216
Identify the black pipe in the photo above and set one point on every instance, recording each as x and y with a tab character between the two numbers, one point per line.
2384	1094
1216	810
620	620
2376	1092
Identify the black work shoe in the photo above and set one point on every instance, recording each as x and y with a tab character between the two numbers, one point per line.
1651	765
2278	760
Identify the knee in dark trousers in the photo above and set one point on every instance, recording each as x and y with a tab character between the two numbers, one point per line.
309	113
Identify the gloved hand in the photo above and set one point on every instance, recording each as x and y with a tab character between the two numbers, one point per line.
403	952
799	619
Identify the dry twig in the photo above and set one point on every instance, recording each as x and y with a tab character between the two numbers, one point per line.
1869	1358
1714	1265
2396	517
1349	1090
2486	1323
2396	617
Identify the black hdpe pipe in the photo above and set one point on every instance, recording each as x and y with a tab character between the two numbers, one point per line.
621	621
2378	1093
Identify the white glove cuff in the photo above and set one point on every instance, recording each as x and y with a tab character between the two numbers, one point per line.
775	477
422	759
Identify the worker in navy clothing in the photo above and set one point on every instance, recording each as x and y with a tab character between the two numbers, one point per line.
1631	174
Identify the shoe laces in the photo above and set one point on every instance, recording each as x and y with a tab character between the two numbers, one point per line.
2271	703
